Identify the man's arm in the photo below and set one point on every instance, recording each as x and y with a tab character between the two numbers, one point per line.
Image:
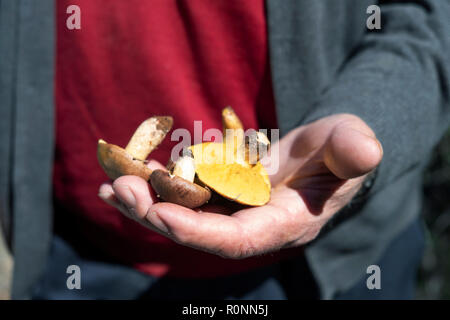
398	82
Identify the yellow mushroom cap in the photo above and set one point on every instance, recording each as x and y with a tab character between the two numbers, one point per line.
247	185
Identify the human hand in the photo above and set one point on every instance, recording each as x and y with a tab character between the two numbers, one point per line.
322	166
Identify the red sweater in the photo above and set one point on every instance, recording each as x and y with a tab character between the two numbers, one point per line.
134	59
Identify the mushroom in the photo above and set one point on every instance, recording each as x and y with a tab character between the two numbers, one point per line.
117	161
200	168
177	185
243	179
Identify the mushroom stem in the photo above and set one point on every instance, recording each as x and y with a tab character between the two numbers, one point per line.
184	167
117	161
230	120
233	130
148	136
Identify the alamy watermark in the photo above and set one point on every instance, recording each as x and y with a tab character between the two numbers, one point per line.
267	154
73	22
74	280
374	280
374	20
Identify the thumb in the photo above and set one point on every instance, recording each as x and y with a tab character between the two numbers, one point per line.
352	150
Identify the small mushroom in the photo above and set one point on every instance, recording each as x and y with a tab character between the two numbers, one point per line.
230	120
177	185
233	132
249	148
117	161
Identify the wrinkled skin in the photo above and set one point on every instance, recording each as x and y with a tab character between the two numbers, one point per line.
322	166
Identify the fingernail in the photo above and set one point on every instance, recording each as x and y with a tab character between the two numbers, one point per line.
155	220
125	195
104	195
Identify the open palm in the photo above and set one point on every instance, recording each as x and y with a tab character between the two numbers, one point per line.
322	166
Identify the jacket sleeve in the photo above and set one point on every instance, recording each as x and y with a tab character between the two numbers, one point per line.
398	81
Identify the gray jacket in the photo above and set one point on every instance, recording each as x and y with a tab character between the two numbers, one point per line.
324	61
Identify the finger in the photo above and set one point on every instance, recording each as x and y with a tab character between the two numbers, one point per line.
352	151
106	193
211	232
246	233
135	193
153	164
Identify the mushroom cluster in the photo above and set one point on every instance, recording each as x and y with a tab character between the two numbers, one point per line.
230	168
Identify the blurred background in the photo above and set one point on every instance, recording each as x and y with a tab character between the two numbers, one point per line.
434	274
5	270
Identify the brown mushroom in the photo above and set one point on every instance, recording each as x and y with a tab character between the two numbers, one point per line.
117	161
177	185
177	190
